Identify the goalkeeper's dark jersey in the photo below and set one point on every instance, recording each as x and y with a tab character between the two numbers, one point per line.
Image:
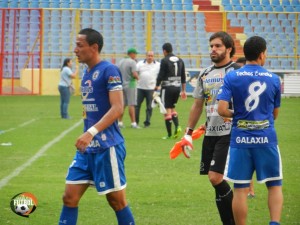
208	84
172	72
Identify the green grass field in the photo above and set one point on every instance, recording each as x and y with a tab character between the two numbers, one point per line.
160	191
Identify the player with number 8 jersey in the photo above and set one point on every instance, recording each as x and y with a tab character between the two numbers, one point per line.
253	105
255	94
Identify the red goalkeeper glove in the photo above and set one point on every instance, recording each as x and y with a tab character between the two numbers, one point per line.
187	145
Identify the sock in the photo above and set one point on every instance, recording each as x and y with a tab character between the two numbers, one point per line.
224	197
68	216
125	216
168	123
274	223
175	120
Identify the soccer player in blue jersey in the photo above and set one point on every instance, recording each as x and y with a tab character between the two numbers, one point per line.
100	155
255	94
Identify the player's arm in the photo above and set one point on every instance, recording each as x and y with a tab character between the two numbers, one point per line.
160	74
223	109
275	113
115	111
195	112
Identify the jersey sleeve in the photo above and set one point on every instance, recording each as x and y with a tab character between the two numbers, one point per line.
225	92
278	93
114	78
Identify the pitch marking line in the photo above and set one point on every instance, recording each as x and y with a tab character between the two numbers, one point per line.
16	172
21	125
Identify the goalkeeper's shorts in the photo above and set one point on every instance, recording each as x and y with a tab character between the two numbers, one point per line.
104	170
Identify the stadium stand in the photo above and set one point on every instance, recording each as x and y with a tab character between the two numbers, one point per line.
187	30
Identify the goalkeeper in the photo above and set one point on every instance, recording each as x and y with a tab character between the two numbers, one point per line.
216	141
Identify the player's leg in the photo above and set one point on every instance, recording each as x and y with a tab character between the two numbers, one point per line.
239	203
251	193
77	181
166	100
71	197
140	99
110	179
117	202
175	93
275	200
223	190
239	169
149	96
269	167
132	101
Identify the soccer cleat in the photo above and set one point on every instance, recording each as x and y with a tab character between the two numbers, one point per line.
121	125
166	137
135	126
177	132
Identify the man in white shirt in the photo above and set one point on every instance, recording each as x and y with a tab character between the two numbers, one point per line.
147	70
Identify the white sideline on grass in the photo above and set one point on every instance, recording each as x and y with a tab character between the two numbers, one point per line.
16	172
21	125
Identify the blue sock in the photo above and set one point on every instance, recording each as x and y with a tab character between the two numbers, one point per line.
274	223
125	216
68	216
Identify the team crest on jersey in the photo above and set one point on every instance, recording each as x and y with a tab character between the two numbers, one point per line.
95	75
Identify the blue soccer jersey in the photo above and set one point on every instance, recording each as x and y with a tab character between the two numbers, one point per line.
95	87
255	92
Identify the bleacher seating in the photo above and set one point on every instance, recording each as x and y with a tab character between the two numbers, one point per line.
185	30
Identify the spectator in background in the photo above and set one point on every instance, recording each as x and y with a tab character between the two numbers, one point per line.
130	76
66	76
147	70
255	96
172	79
241	62
217	135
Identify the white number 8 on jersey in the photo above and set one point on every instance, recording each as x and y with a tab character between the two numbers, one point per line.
255	90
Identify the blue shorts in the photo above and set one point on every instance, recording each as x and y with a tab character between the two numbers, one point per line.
241	163
105	170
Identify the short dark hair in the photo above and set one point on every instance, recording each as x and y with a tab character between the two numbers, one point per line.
93	37
253	47
241	60
226	39
167	47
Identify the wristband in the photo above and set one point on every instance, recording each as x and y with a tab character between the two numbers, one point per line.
93	131
189	131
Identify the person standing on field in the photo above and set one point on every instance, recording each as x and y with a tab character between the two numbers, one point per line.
255	94
147	70
217	129
172	79
66	76
100	155
130	77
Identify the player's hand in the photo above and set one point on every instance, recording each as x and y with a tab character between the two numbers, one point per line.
183	95
156	94
187	145
83	141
